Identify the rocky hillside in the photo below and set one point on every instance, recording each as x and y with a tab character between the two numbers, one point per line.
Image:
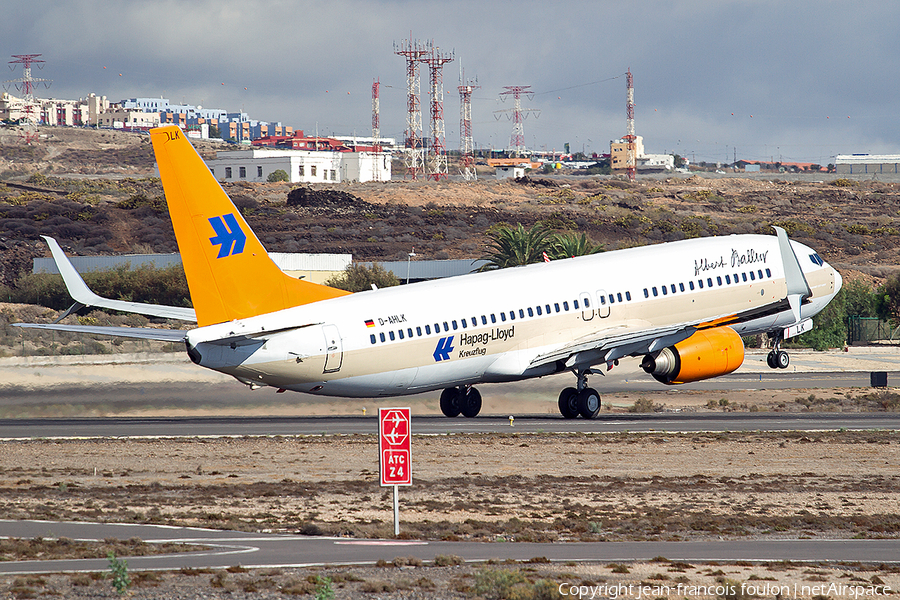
95	191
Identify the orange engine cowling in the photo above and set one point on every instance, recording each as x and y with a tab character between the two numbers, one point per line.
707	353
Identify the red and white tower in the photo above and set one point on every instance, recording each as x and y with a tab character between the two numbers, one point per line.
437	167
413	51
517	139
466	144
376	128
26	85
630	158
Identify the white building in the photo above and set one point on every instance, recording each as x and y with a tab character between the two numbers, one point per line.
866	164
302	166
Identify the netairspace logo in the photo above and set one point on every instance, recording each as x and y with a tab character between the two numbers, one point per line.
648	592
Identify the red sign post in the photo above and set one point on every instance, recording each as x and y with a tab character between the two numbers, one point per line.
394	433
394	446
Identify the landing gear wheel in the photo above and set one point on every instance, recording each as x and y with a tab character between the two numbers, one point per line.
782	359
568	403
470	403
588	403
450	402
770	360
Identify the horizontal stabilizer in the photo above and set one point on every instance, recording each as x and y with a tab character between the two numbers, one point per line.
80	292
142	333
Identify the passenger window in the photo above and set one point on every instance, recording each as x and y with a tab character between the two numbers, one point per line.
391	335
538	309
587	304
454	325
700	283
418	331
566	305
521	314
428	330
493	318
728	279
437	328
691	285
474	321
603	299
409	332
680	287
464	323
760	273
752	276
655	292
673	288
611	299
719	280
574	304
709	281
628	296
483	320
556	305
619	296
446	326
400	333
547	306
503	317
665	291
768	273
512	315
530	312
744	275
381	335
646	293
372	338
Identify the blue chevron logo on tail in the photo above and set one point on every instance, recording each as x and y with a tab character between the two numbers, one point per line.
229	236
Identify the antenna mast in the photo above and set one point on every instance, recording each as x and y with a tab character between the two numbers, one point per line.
629	127
376	128
413	50
466	144
438	157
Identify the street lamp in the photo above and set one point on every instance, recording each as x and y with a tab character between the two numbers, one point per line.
409	258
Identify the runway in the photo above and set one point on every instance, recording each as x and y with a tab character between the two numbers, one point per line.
253	550
125	427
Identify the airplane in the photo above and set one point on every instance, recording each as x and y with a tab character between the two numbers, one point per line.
680	307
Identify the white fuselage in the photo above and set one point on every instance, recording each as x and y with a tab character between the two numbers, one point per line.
495	326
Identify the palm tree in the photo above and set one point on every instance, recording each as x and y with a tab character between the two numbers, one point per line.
569	245
511	247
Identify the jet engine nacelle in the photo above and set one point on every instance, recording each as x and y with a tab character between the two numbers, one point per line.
707	353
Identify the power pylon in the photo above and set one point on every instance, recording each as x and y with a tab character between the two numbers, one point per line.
26	85
376	127
466	144
437	157
517	139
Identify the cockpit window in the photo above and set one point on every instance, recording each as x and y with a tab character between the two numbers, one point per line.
816	259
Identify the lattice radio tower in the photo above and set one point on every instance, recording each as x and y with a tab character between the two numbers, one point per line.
414	151
630	138
376	128
517	139
438	156
26	85
466	144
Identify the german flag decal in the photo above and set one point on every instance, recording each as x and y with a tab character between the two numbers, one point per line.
370	323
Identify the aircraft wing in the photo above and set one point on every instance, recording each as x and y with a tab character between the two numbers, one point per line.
83	296
143	333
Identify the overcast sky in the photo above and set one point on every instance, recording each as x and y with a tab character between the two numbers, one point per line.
784	80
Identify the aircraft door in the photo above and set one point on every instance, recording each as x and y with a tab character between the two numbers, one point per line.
334	353
587	311
602	304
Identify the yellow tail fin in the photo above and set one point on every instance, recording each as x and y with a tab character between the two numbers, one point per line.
229	273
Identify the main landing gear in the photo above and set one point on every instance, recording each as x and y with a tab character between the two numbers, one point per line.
778	358
582	400
463	399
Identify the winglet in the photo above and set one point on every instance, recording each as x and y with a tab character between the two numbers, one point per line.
797	286
83	295
229	273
